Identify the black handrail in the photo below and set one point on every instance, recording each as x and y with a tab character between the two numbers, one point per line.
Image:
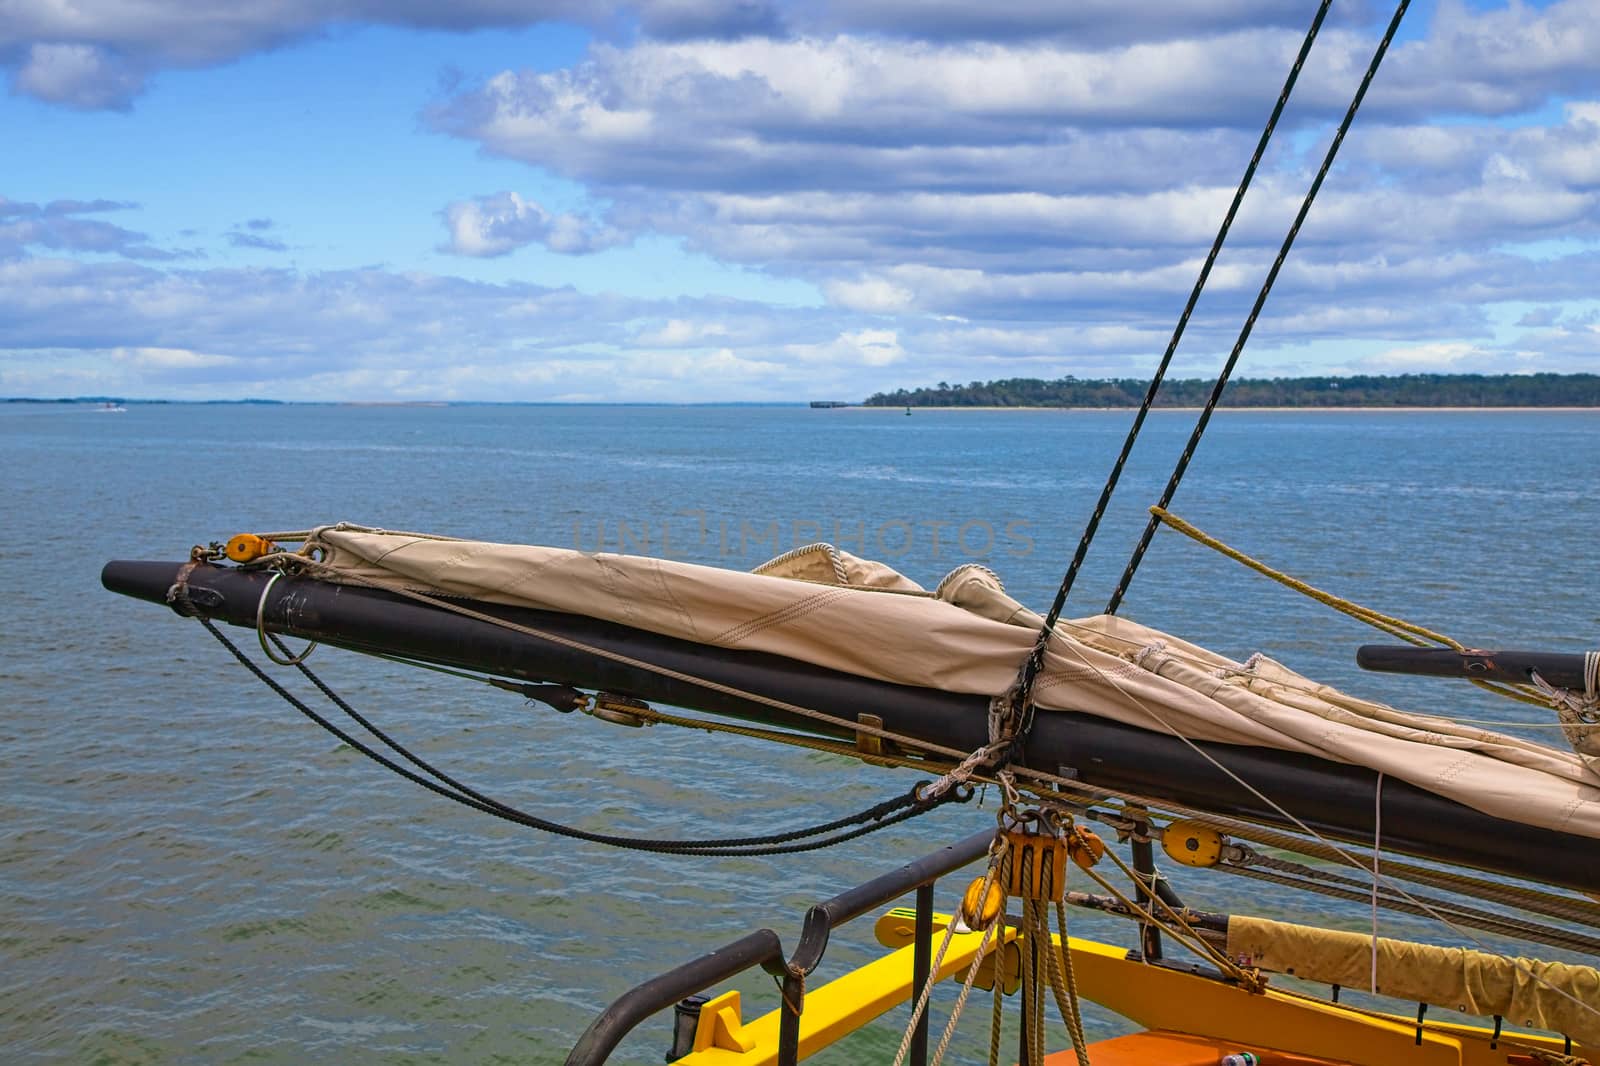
763	948
760	948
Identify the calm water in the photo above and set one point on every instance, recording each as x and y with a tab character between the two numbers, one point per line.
192	873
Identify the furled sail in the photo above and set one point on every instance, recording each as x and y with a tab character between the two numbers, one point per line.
1539	995
826	608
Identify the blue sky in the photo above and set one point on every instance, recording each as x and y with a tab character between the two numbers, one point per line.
693	200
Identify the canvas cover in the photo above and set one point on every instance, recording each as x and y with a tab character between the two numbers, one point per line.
1537	995
828	608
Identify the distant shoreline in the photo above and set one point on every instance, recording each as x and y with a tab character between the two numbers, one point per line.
1330	409
1391	391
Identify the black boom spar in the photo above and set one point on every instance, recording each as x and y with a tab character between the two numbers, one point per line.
1335	799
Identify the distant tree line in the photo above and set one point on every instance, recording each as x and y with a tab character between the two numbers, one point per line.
1402	390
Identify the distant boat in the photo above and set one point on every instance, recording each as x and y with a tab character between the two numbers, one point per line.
908	410
109	408
828	403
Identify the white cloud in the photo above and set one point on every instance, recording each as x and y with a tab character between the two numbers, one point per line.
78	75
60	225
1031	174
503	222
680	333
1011	188
873	294
97	53
169	358
864	347
1434	358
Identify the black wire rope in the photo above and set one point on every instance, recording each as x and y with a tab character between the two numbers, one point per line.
880	816
1036	660
1255	311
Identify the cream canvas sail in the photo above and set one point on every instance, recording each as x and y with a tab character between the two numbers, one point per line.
827	608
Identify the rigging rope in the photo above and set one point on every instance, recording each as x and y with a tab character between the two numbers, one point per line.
880	816
1042	781
1548	904
1577	714
1255	311
1035	660
1296	875
991	871
1300	825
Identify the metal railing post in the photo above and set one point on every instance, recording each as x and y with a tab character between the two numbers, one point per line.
921	962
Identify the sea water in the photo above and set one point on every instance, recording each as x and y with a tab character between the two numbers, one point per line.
191	872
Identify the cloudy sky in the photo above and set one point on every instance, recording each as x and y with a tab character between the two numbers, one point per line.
688	200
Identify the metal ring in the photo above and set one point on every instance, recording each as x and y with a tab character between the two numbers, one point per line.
261	631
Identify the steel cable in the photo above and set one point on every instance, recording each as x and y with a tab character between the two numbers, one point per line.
1035	661
1255	310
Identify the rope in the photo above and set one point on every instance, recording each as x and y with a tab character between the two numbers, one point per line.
1058	977
1295	875
1002	726
938	959
1069	990
977	960
1174	925
1093	795
1578	715
1042	777
880	816
1398	628
843	724
1304	828
1035	660
996	1020
1255	310
1566	908
1032	997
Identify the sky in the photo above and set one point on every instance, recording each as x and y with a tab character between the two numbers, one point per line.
754	200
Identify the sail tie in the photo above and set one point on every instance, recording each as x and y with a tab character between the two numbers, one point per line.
1579	712
1003	733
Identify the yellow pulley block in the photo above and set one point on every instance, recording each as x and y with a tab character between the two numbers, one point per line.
1192	844
248	547
1038	865
1085	846
978	907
